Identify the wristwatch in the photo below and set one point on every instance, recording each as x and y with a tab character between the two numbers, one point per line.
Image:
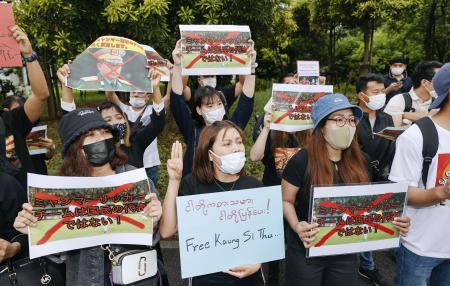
31	58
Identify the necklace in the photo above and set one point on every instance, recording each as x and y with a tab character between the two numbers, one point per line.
234	183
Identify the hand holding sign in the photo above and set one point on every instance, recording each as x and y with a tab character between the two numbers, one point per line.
154	208
307	232
175	163
22	40
176	53
243	270
25	218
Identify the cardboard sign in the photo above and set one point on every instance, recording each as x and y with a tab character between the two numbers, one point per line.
219	231
80	212
356	218
215	49
9	49
111	64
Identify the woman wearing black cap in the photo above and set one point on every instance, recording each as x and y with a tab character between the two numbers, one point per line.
90	149
331	157
397	80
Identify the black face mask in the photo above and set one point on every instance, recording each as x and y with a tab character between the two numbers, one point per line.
100	153
122	127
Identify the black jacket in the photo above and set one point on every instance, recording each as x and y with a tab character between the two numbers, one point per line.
380	151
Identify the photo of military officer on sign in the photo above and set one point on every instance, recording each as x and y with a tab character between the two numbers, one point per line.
111	64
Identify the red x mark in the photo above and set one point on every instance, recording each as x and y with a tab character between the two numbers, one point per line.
351	214
300	106
59	224
213	45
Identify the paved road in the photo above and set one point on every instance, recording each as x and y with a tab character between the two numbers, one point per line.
383	260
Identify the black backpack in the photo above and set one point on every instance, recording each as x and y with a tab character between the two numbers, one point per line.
430	144
408	102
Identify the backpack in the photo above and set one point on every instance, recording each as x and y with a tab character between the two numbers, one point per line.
430	145
408	102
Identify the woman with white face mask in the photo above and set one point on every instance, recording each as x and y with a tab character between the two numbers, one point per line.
209	106
331	157
218	167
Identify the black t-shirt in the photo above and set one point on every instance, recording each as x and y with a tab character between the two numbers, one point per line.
295	173
191	186
39	163
17	127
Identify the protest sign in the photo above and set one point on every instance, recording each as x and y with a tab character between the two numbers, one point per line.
157	63
34	140
111	64
292	105
356	218
308	72
282	157
443	170
9	49
215	49
219	231
390	133
80	212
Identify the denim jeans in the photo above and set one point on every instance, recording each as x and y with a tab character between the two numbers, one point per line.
366	261
416	270
152	174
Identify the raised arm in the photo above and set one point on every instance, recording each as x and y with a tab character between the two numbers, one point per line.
111	96
168	225
257	151
34	106
67	101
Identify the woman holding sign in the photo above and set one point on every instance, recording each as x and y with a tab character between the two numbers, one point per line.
218	167
91	149
331	157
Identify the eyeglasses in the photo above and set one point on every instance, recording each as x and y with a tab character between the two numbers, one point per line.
341	121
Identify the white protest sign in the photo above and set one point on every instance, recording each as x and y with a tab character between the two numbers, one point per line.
219	231
308	72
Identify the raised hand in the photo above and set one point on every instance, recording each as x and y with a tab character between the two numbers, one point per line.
176	53
63	72
22	40
175	163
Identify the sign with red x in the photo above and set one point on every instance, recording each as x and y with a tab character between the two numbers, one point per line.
158	63
215	49
79	212
111	64
291	105
356	218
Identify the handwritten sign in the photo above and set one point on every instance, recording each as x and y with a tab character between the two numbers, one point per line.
356	218
215	49
34	142
9	49
80	212
292	105
308	72
219	231
111	64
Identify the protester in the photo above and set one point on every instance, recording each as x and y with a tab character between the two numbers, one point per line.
209	106
39	160
218	167
424	256
90	148
408	107
397	80
19	121
331	157
380	151
134	141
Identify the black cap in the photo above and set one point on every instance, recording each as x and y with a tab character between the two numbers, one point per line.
398	60
78	122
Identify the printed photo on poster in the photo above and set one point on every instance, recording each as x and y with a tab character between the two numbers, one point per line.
356	218
443	169
292	105
390	133
308	72
34	140
241	227
282	157
80	212
111	64
158	63
215	49
10	55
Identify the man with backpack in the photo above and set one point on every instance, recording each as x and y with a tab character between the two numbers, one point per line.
408	107
423	160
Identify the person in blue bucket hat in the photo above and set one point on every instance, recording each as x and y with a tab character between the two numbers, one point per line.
331	157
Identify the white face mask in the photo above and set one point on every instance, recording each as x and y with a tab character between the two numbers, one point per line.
376	101
215	115
137	101
231	163
433	94
339	138
397	71
210	81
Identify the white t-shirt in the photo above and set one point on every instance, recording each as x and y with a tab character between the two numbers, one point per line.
151	154
396	105
430	226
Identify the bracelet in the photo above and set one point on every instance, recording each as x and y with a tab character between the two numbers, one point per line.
31	58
